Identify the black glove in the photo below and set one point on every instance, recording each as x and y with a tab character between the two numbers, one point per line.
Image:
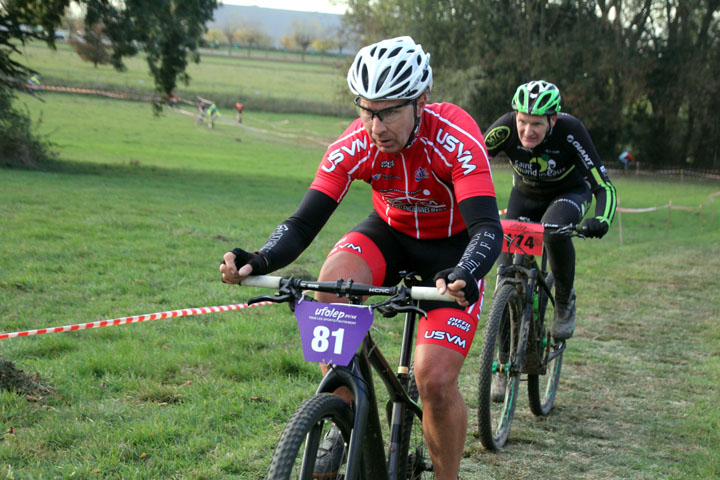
472	294
595	227
255	260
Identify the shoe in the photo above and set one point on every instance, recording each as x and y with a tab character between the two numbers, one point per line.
497	390
330	456
564	319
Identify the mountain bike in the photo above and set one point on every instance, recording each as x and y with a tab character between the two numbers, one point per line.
327	332
516	339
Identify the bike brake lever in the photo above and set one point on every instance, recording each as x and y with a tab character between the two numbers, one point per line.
392	309
270	298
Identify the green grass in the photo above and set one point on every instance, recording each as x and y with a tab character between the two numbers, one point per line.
260	84
135	220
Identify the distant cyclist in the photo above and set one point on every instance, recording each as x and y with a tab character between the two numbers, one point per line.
556	172
434	213
239	110
212	112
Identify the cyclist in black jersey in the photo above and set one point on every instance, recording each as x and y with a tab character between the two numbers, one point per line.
556	170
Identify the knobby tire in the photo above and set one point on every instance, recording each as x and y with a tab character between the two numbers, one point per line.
316	414
542	389
501	330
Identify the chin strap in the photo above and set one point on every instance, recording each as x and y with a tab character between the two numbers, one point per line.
416	127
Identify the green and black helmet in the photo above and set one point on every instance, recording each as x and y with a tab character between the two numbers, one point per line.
537	98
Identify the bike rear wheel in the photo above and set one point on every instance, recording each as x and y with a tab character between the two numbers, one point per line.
498	354
294	456
542	389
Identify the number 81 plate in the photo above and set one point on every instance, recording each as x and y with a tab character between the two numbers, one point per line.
332	332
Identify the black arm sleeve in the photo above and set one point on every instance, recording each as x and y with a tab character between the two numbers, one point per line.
295	234
483	223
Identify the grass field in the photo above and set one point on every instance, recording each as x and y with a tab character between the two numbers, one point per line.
260	84
135	220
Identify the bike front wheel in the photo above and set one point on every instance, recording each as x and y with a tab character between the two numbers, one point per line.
296	452
496	405
542	388
414	460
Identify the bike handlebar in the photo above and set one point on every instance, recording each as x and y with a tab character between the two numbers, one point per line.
570	230
346	288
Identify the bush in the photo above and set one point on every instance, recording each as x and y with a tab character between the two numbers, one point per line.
19	145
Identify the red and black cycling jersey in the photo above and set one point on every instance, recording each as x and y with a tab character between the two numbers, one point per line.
565	159
416	190
436	188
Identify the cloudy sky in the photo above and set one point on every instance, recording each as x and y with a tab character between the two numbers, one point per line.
324	6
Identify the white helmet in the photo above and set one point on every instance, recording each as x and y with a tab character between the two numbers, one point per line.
394	69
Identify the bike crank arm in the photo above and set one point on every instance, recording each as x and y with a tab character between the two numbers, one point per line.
560	348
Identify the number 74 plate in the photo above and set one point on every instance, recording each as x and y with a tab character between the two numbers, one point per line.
524	237
332	332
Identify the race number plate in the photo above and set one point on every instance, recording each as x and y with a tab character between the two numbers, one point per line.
523	237
331	332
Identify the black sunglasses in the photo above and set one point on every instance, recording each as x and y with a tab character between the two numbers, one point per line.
386	115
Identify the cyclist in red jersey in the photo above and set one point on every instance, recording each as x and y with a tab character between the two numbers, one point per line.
434	213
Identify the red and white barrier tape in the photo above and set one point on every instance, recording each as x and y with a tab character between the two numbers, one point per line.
134	319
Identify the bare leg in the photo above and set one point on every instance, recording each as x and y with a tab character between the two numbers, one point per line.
444	413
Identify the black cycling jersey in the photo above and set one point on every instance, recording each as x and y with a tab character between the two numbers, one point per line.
565	159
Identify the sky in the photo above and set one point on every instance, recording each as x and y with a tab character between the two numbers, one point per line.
323	6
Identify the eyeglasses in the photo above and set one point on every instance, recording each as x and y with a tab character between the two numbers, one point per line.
386	115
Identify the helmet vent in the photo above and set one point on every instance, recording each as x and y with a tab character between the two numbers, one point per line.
405	74
395	52
381	78
400	89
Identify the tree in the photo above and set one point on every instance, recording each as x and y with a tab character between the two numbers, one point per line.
251	37
639	72
89	44
216	37
323	44
21	22
303	34
287	42
342	38
166	32
228	30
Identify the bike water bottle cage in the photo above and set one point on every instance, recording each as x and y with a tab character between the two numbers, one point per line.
537	98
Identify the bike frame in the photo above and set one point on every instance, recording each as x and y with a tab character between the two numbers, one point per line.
526	273
366	453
